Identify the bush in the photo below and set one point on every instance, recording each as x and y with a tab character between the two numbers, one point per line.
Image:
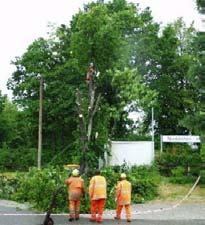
22	159
8	186
184	157
145	181
17	159
37	186
179	176
202	180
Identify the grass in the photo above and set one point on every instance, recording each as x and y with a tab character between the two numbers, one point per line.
10	175
169	192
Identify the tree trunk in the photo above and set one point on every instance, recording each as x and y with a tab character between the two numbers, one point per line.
86	124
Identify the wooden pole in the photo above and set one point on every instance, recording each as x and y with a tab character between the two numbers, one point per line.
40	122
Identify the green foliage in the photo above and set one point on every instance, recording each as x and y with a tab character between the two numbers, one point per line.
179	176
17	159
164	62
8	186
200	6
170	79
141	66
181	162
37	186
145	181
195	121
9	134
21	159
101	33
202	179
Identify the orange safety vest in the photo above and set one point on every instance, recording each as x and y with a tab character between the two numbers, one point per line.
75	187
123	192
97	188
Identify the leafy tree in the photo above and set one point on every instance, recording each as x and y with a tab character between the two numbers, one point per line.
102	33
195	121
43	58
165	70
9	115
200	6
3	128
138	69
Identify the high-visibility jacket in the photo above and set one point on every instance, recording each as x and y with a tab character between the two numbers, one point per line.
75	187
97	188
123	192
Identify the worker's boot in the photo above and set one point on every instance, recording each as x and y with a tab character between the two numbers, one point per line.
71	219
117	218
99	219
93	218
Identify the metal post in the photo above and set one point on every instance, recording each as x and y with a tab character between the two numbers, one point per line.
152	130
40	122
161	144
152	124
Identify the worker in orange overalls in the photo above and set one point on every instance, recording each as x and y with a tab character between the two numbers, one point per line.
75	190
90	73
123	197
98	195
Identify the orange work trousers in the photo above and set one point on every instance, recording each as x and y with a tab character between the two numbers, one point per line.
97	207
127	211
74	208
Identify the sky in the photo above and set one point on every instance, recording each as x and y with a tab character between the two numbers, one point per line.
23	21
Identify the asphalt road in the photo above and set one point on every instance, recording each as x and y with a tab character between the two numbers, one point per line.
61	220
183	215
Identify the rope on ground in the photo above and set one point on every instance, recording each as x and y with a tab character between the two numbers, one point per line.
113	213
175	205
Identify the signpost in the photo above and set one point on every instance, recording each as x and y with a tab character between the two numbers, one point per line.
179	139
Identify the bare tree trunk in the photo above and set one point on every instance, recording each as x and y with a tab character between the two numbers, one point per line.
83	133
91	116
86	124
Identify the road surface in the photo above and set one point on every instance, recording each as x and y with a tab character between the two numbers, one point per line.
183	215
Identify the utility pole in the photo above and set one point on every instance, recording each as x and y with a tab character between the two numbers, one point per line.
40	122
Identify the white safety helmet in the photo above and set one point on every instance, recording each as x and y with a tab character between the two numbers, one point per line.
123	175
75	172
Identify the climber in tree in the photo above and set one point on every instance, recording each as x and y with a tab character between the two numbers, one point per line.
90	73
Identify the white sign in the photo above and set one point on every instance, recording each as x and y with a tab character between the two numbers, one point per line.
181	138
132	152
